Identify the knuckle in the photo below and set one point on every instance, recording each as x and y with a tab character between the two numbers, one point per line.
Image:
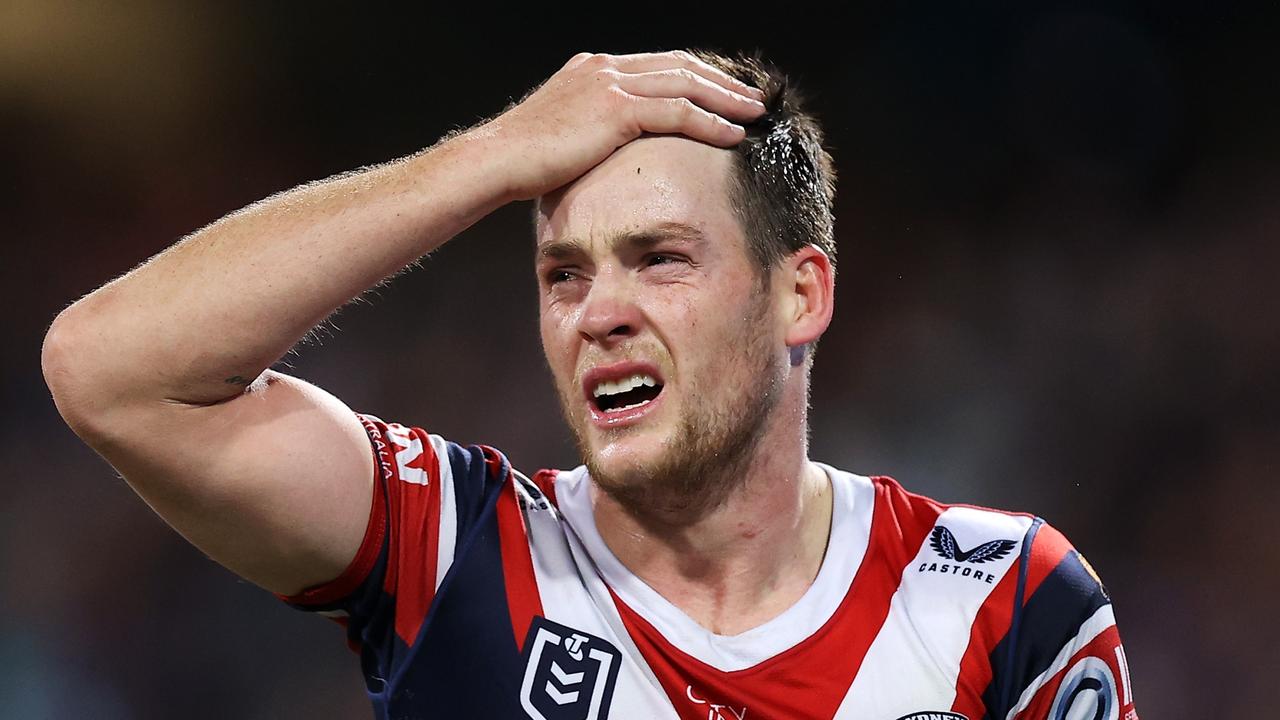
617	95
616	99
683	56
607	80
686	75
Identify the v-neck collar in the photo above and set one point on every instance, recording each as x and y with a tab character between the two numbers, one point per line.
853	498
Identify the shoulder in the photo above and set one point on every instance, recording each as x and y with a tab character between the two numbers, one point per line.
1037	613
960	532
420	467
467	480
977	534
1019	569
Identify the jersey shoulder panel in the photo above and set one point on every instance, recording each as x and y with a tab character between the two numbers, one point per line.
1041	638
1063	648
951	538
429	493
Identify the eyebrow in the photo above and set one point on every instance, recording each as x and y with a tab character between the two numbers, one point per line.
636	241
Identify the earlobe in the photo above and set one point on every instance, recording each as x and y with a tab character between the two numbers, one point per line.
813	288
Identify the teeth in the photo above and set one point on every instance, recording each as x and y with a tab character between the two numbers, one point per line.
632	405
623	385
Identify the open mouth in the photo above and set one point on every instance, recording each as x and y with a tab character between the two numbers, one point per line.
628	393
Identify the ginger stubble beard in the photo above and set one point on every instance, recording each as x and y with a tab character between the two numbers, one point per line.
712	449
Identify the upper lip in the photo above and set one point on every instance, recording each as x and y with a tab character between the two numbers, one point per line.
617	371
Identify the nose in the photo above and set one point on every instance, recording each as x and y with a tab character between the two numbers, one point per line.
609	313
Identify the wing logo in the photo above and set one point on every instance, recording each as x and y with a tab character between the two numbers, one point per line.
568	674
944	543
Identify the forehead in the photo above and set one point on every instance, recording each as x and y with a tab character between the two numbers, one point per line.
645	183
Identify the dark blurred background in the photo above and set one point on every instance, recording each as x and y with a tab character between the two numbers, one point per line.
1057	293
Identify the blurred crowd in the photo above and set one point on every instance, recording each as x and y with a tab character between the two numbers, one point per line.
1056	293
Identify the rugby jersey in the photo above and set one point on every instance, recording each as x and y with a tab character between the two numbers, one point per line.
480	593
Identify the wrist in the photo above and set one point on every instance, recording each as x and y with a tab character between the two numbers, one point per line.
478	165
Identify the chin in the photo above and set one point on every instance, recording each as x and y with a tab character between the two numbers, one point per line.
671	468
626	461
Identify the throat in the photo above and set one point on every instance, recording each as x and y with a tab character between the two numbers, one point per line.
735	569
730	601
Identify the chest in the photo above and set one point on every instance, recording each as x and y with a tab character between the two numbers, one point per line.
586	655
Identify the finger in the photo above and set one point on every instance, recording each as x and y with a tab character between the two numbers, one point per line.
688	84
577	60
649	62
669	116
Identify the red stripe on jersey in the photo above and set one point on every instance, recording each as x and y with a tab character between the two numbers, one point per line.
1102	647
523	600
415	513
546	482
1047	550
811	678
996	616
989	627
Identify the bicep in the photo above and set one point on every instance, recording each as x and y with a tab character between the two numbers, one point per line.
276	484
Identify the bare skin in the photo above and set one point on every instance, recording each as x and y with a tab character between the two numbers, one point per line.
651	267
164	371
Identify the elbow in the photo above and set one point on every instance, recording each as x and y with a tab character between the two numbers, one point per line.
67	373
55	354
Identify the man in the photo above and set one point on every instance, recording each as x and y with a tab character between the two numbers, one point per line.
699	565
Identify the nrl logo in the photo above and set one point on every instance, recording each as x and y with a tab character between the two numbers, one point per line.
944	543
568	674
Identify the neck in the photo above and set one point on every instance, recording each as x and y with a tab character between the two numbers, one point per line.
748	559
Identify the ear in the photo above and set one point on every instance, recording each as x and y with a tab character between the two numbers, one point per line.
807	285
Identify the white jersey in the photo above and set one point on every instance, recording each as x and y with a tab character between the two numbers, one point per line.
479	593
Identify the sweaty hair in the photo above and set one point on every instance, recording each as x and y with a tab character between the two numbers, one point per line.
784	182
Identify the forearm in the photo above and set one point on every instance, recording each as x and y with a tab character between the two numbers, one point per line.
202	319
207	316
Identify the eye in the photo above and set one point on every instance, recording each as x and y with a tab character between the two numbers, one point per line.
661	259
558	275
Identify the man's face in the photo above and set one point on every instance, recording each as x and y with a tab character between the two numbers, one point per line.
657	326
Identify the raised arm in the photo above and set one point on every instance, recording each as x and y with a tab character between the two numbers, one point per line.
164	371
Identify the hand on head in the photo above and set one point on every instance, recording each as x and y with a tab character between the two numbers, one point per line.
598	103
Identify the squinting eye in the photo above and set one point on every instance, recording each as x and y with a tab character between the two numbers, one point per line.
661	259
